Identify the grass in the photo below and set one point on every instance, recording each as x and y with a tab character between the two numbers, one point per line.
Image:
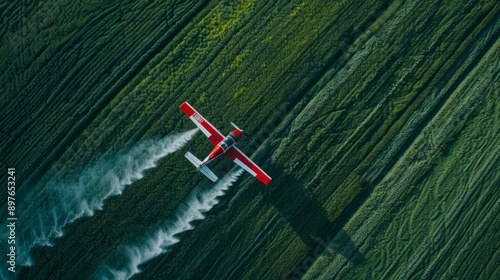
363	111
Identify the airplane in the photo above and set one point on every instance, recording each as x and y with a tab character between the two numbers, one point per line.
223	146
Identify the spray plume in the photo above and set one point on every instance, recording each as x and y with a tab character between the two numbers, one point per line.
56	204
198	202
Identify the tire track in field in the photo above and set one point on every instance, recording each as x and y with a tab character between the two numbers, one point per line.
462	205
446	227
431	106
308	110
303	116
359	50
455	108
467	207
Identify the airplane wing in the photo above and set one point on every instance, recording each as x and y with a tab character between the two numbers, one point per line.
207	128
246	163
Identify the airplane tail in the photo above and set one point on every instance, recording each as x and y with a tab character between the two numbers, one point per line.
202	168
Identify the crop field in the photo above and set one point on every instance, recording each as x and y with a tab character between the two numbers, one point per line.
379	122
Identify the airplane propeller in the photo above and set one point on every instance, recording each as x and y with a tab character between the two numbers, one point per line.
242	131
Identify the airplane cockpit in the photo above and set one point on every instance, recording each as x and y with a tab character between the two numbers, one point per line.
227	142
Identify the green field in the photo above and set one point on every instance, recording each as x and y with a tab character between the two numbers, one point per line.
379	122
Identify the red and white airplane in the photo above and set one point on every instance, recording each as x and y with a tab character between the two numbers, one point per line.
223	146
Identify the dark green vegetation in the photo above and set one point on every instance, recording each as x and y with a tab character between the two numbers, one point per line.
379	122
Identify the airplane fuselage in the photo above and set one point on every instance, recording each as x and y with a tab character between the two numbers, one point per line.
223	146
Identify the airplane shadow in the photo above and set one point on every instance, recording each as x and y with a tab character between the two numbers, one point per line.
309	219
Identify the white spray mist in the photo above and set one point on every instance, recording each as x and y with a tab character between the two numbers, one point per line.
57	203
198	202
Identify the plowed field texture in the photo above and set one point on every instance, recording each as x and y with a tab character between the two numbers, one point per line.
379	122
